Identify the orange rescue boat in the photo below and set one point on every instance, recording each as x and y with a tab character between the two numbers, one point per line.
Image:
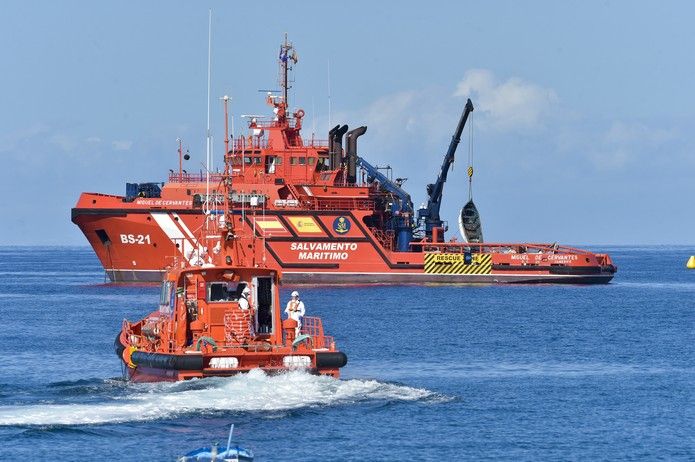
219	315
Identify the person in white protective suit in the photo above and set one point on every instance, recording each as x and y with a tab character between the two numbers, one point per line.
245	305
244	299
295	310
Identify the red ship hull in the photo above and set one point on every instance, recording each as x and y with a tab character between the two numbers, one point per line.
136	241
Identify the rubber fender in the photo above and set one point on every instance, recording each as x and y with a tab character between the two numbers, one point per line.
331	360
171	362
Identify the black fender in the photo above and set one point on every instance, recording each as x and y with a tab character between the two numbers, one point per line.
165	361
118	346
160	360
331	360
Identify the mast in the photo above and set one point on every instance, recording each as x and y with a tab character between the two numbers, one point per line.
287	54
285	85
225	98
229	242
329	92
207	133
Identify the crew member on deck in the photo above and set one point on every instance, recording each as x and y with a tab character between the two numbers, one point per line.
244	303
295	310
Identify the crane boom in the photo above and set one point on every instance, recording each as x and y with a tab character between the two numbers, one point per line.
430	214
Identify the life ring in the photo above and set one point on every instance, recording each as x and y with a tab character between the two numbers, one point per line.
299	114
128	356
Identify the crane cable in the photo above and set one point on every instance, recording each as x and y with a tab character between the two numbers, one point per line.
470	159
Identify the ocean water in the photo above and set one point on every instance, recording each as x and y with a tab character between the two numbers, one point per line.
435	373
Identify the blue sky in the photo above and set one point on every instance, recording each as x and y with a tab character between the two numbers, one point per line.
583	128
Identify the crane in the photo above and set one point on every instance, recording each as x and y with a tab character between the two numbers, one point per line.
430	214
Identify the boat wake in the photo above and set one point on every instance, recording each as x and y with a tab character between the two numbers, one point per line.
252	392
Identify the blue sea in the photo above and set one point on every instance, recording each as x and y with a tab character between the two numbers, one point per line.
524	372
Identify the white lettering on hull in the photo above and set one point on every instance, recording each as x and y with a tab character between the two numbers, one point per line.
322	256
324	246
135	239
163	202
323	250
537	257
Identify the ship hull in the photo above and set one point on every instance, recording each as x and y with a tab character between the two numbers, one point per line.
345	278
144	366
137	244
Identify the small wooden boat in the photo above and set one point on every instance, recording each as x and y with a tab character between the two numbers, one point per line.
469	223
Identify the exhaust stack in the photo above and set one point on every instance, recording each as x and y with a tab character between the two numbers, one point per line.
331	149
352	153
335	156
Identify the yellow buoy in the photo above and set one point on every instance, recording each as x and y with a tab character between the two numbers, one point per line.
691	262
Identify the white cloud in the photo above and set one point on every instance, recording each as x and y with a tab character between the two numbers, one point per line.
121	145
64	142
10	142
400	122
507	106
624	143
622	133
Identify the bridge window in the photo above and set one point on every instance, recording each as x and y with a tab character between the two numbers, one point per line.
312	160
166	297
293	161
224	291
302	160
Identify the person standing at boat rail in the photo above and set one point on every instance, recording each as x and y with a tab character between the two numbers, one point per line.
295	310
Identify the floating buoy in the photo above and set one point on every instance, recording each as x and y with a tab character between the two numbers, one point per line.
691	262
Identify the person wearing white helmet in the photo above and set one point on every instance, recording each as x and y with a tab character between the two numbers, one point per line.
244	303
295	310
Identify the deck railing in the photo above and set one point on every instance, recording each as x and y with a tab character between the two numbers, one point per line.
462	247
385	238
341	204
312	325
176	177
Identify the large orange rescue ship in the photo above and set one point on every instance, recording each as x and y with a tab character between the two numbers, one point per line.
219	315
323	214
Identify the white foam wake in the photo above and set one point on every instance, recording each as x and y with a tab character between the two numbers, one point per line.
250	392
